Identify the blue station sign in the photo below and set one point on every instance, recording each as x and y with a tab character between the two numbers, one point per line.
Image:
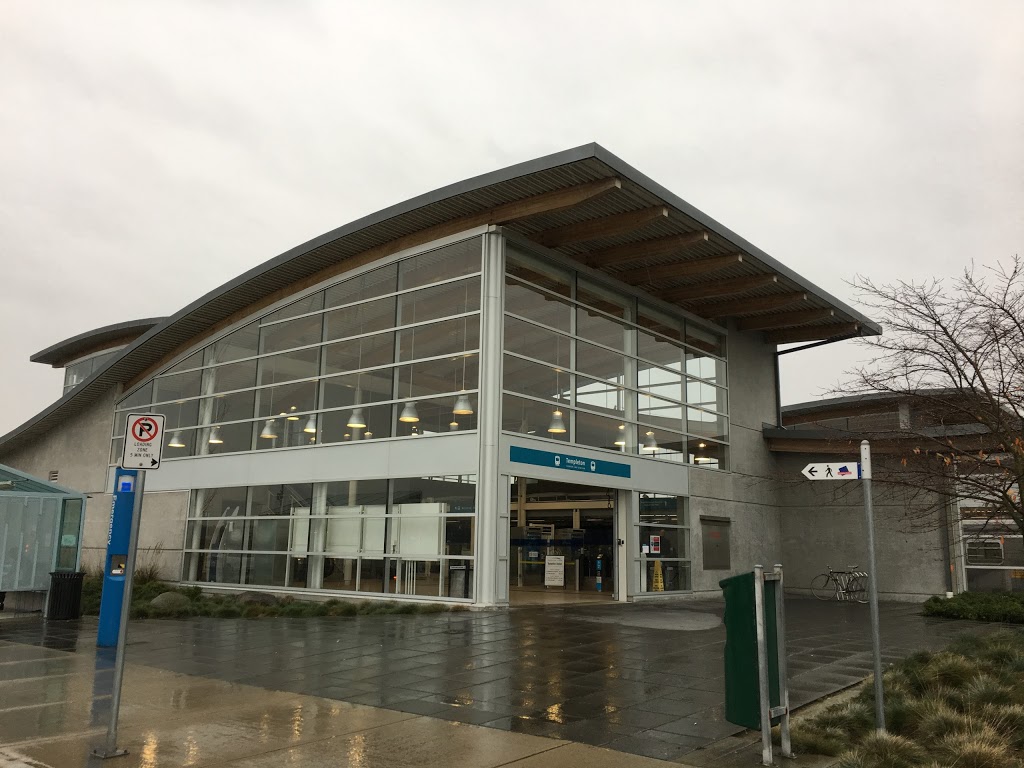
568	461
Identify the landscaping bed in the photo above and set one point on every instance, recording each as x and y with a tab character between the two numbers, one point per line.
961	707
177	602
1004	607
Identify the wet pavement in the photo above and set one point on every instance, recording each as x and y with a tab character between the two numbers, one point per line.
640	679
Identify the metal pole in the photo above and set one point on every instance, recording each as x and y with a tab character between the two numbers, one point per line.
780	624
110	748
762	667
876	635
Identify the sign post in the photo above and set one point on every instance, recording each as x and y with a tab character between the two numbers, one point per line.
862	471
143	441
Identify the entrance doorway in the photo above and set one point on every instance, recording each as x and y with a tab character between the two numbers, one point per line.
562	542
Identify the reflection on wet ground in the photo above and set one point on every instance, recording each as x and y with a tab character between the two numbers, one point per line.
642	679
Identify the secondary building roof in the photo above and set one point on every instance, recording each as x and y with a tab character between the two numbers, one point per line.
63	352
585	203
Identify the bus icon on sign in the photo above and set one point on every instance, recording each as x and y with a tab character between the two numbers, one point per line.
558	460
593	466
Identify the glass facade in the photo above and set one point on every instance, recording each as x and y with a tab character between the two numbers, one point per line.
392	352
80	370
404	536
585	364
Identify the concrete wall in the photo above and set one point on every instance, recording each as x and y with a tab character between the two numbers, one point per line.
79	449
823	524
747	493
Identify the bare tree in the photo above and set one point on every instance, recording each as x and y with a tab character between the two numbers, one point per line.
953	355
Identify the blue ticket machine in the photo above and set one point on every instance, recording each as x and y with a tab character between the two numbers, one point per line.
114	564
600	573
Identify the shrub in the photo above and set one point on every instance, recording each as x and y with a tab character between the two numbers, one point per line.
982	748
806	738
979	606
887	750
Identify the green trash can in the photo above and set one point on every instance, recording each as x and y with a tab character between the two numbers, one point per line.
742	689
65	600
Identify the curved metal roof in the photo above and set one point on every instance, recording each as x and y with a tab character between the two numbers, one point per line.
585	202
63	352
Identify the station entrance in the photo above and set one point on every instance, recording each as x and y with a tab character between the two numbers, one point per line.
562	542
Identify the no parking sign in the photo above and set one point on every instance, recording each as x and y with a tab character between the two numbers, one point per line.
142	441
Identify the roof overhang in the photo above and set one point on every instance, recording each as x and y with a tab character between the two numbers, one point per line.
64	352
585	203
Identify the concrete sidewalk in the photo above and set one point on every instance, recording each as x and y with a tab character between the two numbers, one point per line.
54	708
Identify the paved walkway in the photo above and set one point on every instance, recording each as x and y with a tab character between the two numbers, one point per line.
639	679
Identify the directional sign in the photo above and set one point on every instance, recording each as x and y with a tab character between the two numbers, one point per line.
143	439
849	470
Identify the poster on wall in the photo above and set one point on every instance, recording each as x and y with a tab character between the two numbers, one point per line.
655	545
554	571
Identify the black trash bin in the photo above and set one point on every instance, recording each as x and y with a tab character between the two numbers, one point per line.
65	595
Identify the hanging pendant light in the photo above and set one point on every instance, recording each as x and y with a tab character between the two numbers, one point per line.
293	416
557	425
215	438
357	419
650	444
409	414
268	432
347	436
310	424
453	426
620	436
415	431
175	441
462	406
367	435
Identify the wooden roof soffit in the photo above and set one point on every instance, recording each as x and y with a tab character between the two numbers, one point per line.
547	202
746	306
692	268
811	333
784	319
606	226
718	287
634	251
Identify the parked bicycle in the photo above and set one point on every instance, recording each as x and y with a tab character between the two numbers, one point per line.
850	584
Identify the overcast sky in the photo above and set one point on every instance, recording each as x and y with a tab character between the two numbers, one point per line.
151	151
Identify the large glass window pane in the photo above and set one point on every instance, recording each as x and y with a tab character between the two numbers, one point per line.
705	340
358	388
266	570
367	317
656	509
372	576
600	363
529	417
233	407
346	496
660	412
539	343
536	379
444	338
180	442
523	265
285	431
539	306
439	301
286	400
706	395
340	572
433	377
226	378
218	502
660	382
143	396
600	395
708	368
707	424
195	360
179	415
297	364
673	542
300	332
364	352
376	282
311	303
212	567
453	260
675	575
281	499
228	438
706	453
238	344
597	327
177	387
434	416
599	432
660	323
453	495
335	426
659	443
70	525
660	351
